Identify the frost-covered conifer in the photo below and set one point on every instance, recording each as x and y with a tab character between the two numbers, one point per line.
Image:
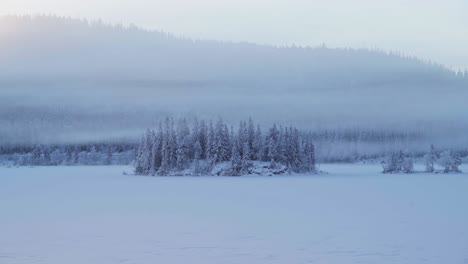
450	161
273	146
258	144
197	157
45	156
430	159
236	160
36	156
398	163
246	162
183	145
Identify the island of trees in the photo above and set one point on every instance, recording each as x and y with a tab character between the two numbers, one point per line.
207	148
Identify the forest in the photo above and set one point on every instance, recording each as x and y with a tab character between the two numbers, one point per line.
199	147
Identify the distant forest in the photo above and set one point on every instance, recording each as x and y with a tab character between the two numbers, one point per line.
67	81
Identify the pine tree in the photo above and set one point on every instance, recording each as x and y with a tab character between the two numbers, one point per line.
93	156
236	160
221	142
183	145
36	156
392	165
450	161
202	139
430	159
108	160
258	144
139	160
457	161
250	138
397	162
197	156
165	167
147	152
76	155
273	146
246	162
45	156
172	146
210	143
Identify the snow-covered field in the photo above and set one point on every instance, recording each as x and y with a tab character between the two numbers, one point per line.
97	215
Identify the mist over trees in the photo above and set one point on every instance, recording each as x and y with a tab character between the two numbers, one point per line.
67	155
69	81
137	55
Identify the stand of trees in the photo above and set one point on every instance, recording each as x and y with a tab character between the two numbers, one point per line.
200	145
55	155
448	160
398	163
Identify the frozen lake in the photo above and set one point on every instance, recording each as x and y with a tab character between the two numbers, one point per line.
97	215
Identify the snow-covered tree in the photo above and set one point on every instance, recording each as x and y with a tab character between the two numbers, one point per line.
210	143
309	157
398	163
430	159
183	145
246	162
236	160
197	157
274	146
45	156
36	156
258	144
165	167
450	161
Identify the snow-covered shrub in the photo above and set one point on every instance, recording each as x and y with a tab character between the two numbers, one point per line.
398	163
407	165
450	161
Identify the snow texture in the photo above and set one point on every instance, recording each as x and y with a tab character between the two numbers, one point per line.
354	214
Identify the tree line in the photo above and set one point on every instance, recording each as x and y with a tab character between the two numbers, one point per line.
200	145
78	154
448	160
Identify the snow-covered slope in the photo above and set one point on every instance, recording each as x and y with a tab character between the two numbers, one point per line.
354	214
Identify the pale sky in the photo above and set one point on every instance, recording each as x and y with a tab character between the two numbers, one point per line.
430	29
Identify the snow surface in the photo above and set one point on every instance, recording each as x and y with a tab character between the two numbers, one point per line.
354	214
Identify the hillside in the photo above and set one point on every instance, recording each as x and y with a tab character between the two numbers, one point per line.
65	79
66	49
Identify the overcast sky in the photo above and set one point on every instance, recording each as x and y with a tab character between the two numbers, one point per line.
430	29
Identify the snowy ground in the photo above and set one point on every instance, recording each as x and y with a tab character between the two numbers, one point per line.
97	215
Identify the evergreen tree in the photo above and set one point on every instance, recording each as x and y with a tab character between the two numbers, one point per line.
258	144
250	138
203	138
197	157
45	156
398	163
309	153
108	160
139	160
430	159
211	143
273	146
183	145
246	162
36	156
236	160
450	161
75	155
172	146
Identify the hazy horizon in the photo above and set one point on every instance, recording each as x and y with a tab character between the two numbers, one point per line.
430	30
